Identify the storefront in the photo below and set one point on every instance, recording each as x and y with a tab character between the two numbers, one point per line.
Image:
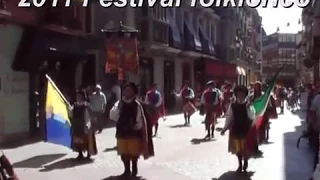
219	71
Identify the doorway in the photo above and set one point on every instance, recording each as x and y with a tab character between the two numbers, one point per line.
146	75
88	71
169	86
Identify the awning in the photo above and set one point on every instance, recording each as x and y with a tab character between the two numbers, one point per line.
191	38
207	45
174	34
204	40
243	72
239	72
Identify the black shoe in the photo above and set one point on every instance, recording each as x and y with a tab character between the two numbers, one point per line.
126	175
80	156
239	169
245	166
134	169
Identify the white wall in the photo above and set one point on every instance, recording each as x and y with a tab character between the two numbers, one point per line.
14	86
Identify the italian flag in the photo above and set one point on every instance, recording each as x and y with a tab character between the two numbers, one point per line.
260	105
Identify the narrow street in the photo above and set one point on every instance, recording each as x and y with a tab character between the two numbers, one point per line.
177	156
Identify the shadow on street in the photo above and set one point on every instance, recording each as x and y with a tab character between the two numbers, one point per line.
38	161
179	126
200	140
122	178
110	149
65	164
298	162
232	175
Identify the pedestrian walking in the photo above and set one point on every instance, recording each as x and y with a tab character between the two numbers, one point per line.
239	121
188	107
83	136
153	101
211	100
98	104
132	134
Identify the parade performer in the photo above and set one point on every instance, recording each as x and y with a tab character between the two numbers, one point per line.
6	168
240	119
282	94
211	100
153	101
257	93
83	137
188	106
227	95
132	130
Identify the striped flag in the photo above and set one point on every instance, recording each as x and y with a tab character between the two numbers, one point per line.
260	105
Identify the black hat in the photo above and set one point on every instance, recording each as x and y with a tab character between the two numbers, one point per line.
242	89
210	83
133	86
82	93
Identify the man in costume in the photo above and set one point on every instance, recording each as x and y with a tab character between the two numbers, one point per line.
239	121
153	101
132	130
257	93
83	136
211	100
187	95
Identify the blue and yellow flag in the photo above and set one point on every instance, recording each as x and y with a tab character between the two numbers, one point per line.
57	120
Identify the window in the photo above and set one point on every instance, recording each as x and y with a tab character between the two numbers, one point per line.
88	19
186	74
145	9
186	16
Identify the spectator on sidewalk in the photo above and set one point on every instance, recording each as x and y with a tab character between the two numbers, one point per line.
98	104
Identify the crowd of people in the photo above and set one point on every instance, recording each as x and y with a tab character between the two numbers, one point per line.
137	117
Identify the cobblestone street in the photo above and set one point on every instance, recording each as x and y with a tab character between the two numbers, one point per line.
176	156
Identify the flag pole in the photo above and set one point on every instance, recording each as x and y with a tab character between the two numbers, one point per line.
57	89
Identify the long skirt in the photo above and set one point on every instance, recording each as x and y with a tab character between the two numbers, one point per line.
86	143
210	118
130	146
243	145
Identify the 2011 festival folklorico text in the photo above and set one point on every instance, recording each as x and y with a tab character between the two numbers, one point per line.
172	3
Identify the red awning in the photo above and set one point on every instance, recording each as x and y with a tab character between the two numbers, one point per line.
213	68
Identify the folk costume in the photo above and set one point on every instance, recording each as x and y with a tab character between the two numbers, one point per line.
210	99
133	137
239	122
153	100
83	136
188	106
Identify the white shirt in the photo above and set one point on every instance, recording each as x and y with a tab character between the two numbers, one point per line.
218	96
115	114
98	102
230	118
116	89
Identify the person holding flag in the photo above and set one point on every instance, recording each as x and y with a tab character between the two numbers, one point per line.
82	133
132	133
240	119
211	100
153	100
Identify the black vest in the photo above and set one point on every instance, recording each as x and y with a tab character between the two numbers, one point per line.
127	121
241	122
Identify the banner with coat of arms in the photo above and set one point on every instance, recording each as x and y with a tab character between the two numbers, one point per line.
121	55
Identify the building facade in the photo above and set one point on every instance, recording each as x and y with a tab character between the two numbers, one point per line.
310	42
36	42
279	49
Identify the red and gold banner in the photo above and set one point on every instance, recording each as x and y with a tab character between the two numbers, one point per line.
122	53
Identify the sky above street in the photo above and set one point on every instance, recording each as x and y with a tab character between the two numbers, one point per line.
280	17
